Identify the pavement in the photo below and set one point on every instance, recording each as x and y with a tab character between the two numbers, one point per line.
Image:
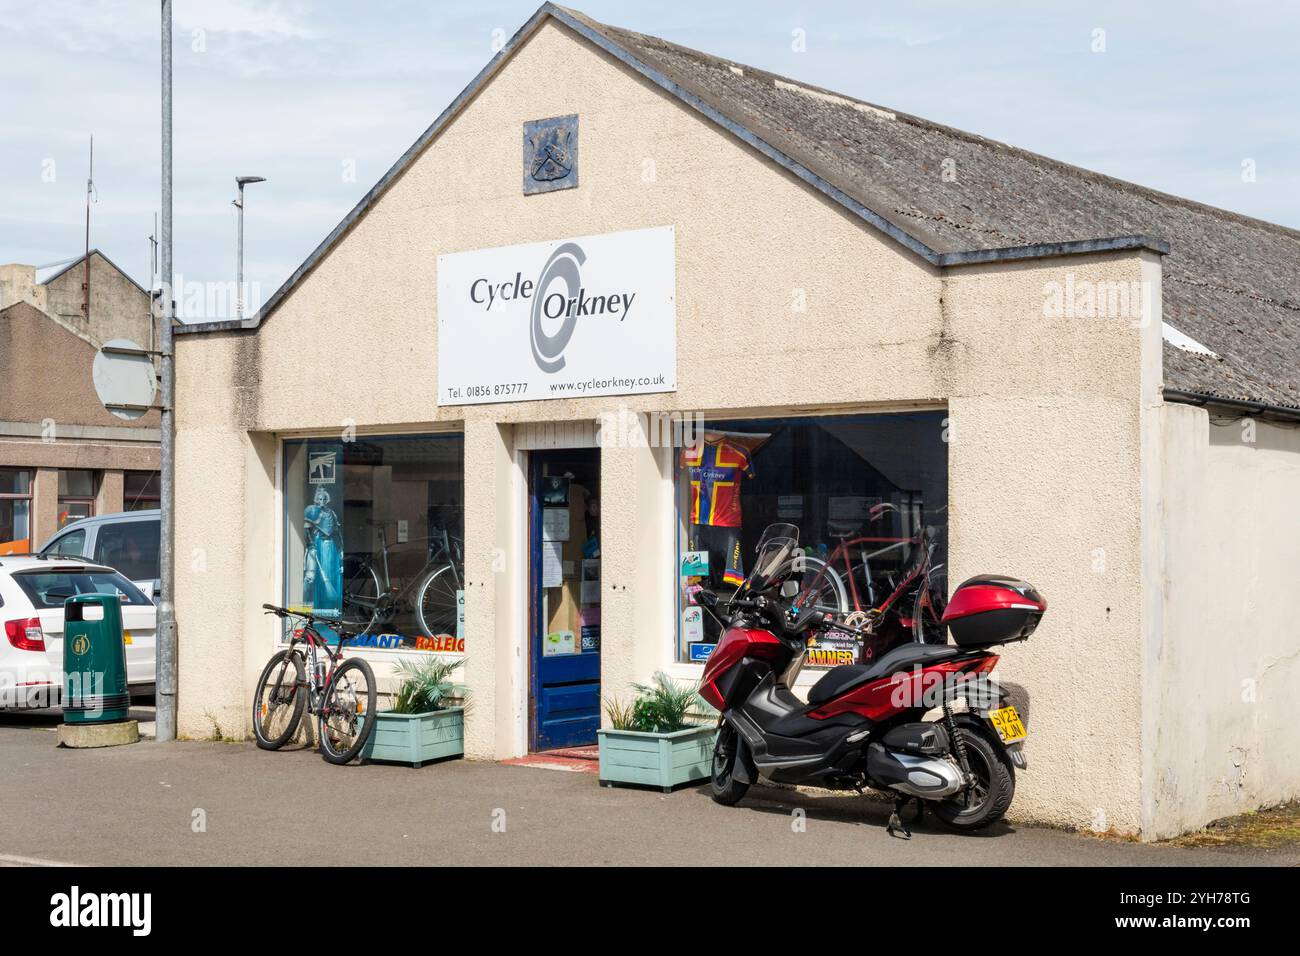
196	803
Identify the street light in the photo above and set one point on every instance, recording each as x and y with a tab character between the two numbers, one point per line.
241	182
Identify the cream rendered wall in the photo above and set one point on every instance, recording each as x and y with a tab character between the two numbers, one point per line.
1228	662
1045	483
1044	469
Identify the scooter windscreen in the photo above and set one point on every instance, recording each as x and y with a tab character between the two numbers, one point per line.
779	543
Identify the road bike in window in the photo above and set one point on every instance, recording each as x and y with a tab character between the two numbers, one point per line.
374	598
309	675
894	607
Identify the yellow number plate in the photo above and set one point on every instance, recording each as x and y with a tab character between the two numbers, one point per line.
1008	724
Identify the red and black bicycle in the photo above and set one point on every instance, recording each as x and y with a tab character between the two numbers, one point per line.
341	693
892	602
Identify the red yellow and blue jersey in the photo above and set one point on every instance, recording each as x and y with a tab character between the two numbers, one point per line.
716	468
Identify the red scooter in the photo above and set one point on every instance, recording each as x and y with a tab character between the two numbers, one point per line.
863	725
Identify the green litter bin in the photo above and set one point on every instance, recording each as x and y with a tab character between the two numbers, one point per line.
94	661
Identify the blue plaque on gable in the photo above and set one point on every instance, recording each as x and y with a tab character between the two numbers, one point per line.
550	154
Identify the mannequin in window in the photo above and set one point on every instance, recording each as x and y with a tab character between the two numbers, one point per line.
323	565
717	465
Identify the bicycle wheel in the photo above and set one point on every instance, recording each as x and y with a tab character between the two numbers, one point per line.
279	700
361	596
825	583
436	602
347	715
927	613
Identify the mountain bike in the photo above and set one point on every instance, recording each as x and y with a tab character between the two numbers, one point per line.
341	693
373	597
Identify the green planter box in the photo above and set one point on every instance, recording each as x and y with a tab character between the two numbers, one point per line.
417	738
656	760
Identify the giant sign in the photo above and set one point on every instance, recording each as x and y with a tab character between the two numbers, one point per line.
571	318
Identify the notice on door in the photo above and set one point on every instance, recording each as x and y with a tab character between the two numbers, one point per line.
569	318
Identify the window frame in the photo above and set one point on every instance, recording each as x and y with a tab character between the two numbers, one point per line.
18	496
679	516
149	501
284	443
96	479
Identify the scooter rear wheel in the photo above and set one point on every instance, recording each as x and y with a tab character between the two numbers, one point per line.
726	789
990	796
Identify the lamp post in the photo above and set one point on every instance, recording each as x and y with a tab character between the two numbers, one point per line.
241	182
167	671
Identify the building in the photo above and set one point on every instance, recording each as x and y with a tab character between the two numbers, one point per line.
62	455
1082	382
119	306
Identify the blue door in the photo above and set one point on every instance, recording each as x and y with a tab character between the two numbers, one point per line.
564	598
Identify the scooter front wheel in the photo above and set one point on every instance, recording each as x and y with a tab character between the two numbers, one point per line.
989	797
726	789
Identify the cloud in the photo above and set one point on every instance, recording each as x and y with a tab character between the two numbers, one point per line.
289	90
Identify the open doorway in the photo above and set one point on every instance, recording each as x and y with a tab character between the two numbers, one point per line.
564	592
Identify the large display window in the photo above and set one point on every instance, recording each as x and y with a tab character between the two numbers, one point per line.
869	495
373	532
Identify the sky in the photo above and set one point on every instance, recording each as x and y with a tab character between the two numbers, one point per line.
323	97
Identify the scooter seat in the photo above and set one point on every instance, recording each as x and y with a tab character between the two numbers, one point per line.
838	680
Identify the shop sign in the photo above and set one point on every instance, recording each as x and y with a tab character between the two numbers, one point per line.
570	318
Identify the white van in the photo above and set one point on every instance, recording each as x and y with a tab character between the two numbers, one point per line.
128	542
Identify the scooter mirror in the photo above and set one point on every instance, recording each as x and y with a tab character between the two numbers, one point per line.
706	598
789	588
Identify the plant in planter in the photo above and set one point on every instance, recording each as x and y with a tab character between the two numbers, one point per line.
652	741
421	725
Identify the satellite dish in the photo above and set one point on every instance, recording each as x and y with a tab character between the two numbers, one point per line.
124	378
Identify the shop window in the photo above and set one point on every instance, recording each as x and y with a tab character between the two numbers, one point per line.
15	510
76	495
868	494
373	532
140	490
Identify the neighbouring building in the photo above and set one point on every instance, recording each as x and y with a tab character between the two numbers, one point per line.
470	396
63	456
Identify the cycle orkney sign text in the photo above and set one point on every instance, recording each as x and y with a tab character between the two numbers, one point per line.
570	318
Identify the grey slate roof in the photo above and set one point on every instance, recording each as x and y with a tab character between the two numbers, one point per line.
1230	282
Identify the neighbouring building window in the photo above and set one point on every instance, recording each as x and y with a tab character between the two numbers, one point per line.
140	490
15	510
868	494
373	532
76	495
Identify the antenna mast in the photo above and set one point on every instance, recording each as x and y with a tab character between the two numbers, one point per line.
90	187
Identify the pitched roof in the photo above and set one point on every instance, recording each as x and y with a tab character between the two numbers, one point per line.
44	275
1230	282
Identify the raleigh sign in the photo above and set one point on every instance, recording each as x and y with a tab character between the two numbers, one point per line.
572	318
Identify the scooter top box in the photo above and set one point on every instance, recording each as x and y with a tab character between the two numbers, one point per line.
990	609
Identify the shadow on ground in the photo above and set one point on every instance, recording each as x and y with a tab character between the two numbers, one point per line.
869	809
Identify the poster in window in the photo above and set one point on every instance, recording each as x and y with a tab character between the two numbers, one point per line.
322	576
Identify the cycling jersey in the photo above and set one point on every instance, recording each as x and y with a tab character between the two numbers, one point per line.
716	468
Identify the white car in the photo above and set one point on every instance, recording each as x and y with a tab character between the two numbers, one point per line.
32	592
